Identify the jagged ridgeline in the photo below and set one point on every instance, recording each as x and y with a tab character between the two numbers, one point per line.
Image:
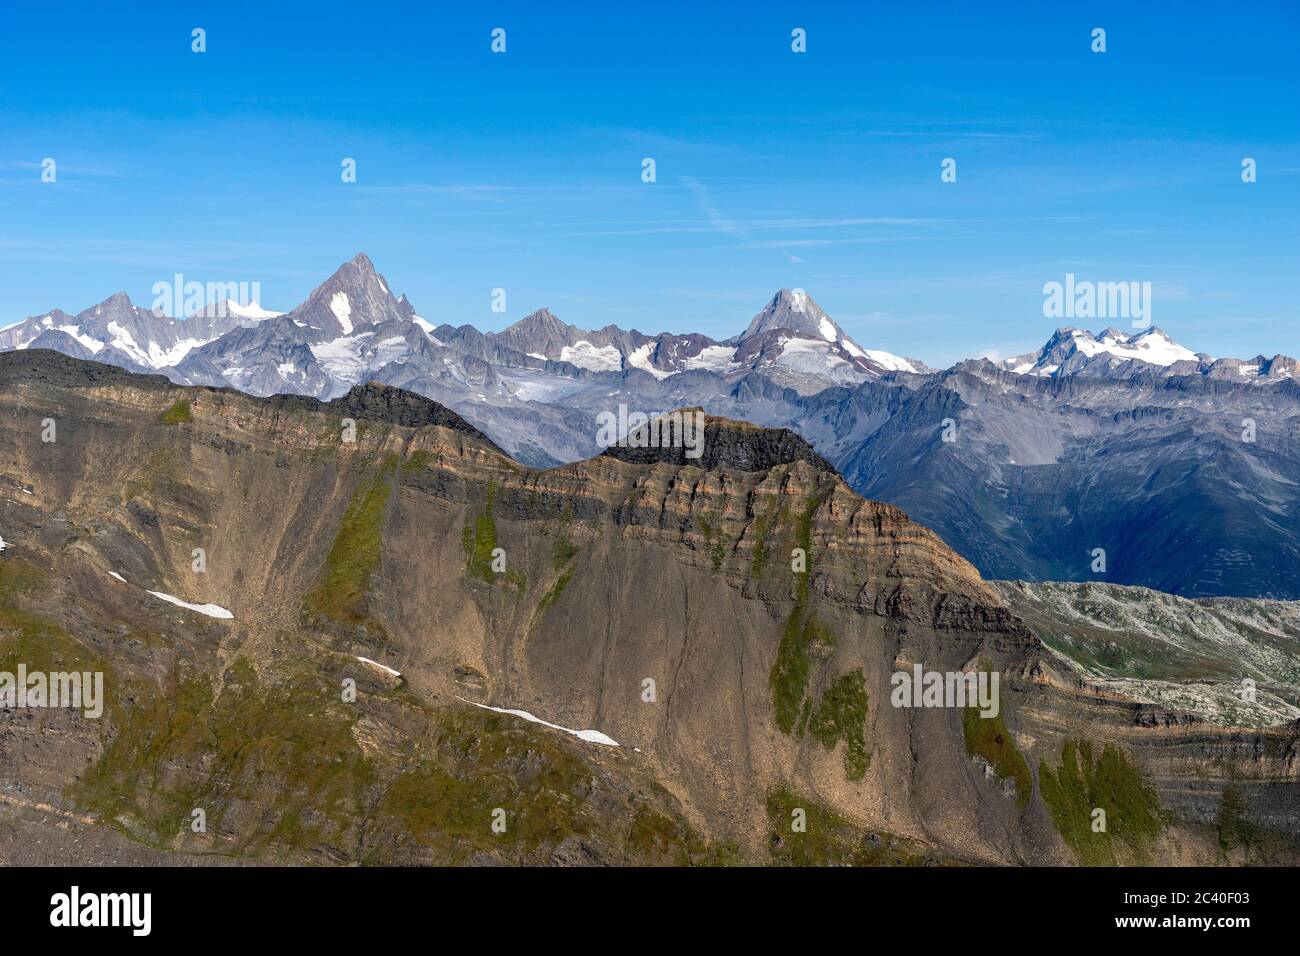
357	632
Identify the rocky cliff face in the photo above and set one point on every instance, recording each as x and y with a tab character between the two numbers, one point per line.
732	623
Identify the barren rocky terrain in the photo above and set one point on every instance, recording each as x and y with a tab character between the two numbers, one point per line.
714	686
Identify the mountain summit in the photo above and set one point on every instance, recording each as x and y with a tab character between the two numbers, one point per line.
1072	350
794	311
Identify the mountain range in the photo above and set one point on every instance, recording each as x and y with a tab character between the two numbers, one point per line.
1118	458
402	646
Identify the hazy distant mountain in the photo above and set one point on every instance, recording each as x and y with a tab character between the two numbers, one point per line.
1183	468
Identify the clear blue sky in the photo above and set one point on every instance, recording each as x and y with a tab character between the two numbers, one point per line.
522	171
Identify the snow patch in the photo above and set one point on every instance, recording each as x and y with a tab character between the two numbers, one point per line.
889	361
250	311
715	357
125	342
591	736
211	610
383	667
827	328
640	358
342	310
75	331
604	358
342	357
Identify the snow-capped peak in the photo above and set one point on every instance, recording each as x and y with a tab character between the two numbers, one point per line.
250	311
1152	346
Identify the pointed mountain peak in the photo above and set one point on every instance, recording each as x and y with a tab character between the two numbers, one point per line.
542	333
543	320
117	305
795	311
358	272
354	296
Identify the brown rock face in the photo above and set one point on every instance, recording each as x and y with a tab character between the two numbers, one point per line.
734	622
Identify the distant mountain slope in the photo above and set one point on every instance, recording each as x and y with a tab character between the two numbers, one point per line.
1188	483
1183	468
1228	660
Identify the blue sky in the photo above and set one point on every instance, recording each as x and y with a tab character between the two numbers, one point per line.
774	169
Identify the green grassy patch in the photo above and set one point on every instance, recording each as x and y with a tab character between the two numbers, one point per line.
989	737
28	638
353	559
416	462
179	413
761	551
829	839
842	715
1110	782
278	758
715	544
481	761
562	549
789	677
479	539
551	596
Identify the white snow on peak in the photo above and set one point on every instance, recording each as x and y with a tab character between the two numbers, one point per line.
808	355
538	355
640	358
888	360
799	299
827	329
343	357
583	354
591	736
75	331
1152	346
125	342
342	310
716	358
379	666
250	311
114	574
161	358
426	325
